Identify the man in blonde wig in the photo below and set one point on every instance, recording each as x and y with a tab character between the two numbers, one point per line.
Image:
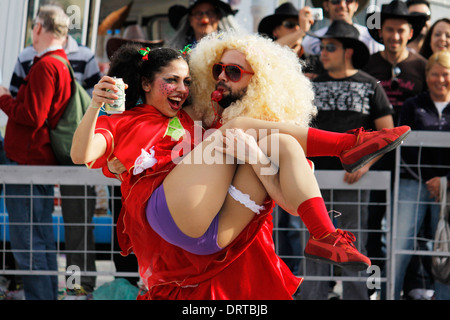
253	77
277	91
246	81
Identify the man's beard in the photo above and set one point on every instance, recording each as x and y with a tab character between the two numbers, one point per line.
228	99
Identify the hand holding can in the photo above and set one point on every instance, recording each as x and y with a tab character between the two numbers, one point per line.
119	105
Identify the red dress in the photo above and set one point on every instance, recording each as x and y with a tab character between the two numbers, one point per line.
248	268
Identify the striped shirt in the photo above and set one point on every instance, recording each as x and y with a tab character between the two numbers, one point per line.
81	58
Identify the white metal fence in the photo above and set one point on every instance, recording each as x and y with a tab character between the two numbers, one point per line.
420	140
103	225
329	182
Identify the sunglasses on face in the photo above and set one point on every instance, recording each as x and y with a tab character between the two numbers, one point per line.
330	47
288	24
339	1
427	15
233	72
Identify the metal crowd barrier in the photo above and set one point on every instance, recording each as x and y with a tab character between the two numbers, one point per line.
420	139
328	180
104	226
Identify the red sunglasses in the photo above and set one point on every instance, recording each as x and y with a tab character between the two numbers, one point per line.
233	72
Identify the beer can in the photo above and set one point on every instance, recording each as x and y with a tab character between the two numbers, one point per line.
119	105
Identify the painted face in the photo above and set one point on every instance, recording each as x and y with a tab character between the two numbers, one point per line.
438	80
170	88
440	38
233	91
204	20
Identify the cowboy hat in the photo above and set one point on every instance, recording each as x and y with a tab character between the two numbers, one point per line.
319	4
349	36
268	23
115	43
396	10
176	12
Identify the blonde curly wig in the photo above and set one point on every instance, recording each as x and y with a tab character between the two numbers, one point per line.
278	91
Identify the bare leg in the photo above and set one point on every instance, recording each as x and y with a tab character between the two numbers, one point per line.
354	149
295	181
263	128
234	216
293	186
196	193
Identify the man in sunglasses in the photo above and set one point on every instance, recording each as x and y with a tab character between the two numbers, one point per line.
419	7
251	77
201	18
288	26
346	98
341	10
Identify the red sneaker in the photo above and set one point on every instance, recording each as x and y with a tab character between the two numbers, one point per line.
371	144
337	248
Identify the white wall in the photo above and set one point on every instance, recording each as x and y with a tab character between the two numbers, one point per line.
12	17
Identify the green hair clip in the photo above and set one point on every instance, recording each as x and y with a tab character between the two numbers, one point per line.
144	52
186	50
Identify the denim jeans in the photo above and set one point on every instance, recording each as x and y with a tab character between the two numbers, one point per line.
33	247
414	200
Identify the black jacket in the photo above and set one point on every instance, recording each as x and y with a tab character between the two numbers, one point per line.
420	113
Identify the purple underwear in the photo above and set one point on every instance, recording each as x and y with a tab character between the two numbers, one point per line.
161	221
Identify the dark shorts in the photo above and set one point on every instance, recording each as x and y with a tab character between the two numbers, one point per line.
161	221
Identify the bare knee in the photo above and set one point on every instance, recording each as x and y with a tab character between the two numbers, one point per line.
278	144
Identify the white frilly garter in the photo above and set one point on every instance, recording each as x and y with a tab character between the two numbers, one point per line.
244	199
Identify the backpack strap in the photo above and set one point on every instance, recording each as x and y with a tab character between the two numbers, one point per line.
67	63
73	86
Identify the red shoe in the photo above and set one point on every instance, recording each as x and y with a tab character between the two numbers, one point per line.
371	144
337	248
